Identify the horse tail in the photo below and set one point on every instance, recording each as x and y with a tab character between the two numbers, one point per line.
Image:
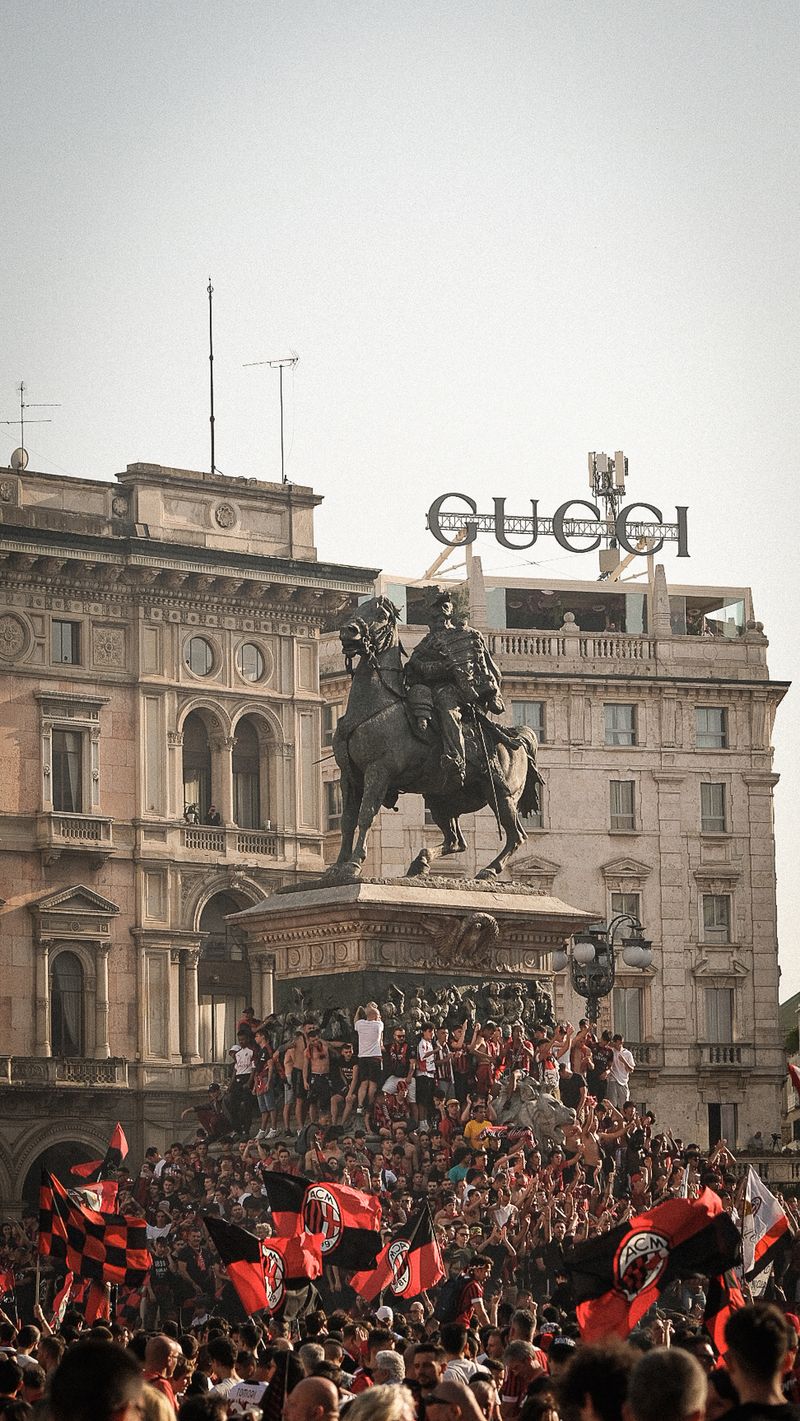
530	799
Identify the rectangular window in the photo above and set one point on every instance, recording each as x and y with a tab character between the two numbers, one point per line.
716	917
712	808
333	804
711	724
627	1006
330	716
719	1014
620	722
722	1125
629	903
66	643
623	805
530	713
67	771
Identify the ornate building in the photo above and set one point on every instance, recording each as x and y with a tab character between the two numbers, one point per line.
159	735
654	710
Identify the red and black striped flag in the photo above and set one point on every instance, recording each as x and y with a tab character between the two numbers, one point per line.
112	1159
105	1248
262	1270
347	1220
617	1276
409	1263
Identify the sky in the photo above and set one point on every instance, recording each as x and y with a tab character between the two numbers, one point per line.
497	233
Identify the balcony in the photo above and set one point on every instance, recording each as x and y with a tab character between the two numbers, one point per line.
63	1071
648	1055
225	843
58	833
724	1056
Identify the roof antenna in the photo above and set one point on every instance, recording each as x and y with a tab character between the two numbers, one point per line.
21	453
211	367
281	365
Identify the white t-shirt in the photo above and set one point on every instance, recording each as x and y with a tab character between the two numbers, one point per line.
244	1395
460	1370
426	1054
370	1038
243	1059
618	1071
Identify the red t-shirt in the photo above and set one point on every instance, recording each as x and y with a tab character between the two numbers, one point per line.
472	1293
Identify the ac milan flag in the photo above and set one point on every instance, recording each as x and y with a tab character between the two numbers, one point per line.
617	1276
723	1296
765	1227
112	1159
61	1300
106	1248
98	1304
347	1220
794	1077
8	1292
262	1270
410	1263
241	1254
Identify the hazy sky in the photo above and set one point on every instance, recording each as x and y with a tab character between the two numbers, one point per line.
498	235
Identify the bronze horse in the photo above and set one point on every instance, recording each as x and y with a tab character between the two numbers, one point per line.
382	753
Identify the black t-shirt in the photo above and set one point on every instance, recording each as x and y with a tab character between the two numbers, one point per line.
570	1088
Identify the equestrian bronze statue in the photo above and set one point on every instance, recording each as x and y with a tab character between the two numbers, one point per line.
423	728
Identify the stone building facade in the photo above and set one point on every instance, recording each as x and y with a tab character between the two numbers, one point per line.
160	722
654	708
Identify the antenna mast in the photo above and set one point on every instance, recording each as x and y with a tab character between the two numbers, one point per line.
211	367
286	362
23	406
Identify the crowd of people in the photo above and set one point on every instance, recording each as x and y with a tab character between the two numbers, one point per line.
407	1118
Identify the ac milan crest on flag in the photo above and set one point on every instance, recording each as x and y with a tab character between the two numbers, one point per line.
618	1276
112	1159
765	1228
106	1248
101	1196
410	1262
348	1221
61	1300
723	1296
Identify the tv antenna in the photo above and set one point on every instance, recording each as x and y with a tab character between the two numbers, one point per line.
284	363
20	420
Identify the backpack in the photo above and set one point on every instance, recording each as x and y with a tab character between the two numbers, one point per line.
449	1297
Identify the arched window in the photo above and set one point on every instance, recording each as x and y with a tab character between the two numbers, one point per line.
246	777
196	765
66	1005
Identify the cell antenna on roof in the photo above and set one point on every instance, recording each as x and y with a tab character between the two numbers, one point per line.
211	367
286	361
20	420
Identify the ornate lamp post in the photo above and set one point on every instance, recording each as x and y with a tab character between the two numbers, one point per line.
590	955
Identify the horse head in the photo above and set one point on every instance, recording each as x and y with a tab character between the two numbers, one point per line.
370	630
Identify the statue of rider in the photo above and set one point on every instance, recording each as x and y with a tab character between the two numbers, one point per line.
454	662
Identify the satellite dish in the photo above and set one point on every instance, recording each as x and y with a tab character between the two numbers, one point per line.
19	459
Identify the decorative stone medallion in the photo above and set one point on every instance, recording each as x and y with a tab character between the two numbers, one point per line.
13	637
225	514
108	646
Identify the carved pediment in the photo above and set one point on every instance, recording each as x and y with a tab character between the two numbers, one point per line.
718	966
717	877
629	869
536	870
74	900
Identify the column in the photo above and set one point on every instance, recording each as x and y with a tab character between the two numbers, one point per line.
42	987
102	1049
221	747
175	775
265	979
191	1008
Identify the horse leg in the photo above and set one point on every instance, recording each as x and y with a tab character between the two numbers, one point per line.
512	826
452	838
376	784
351	802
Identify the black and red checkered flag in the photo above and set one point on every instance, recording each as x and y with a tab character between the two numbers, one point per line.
105	1248
112	1159
408	1265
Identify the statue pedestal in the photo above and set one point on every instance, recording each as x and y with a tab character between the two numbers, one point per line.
345	944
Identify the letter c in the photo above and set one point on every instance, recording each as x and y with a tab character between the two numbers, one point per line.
558	525
621	528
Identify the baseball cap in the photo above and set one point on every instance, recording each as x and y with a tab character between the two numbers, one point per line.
386	1315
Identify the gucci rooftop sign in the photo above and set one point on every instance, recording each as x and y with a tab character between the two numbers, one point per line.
618	524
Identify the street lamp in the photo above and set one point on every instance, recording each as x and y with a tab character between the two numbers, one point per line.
591	959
